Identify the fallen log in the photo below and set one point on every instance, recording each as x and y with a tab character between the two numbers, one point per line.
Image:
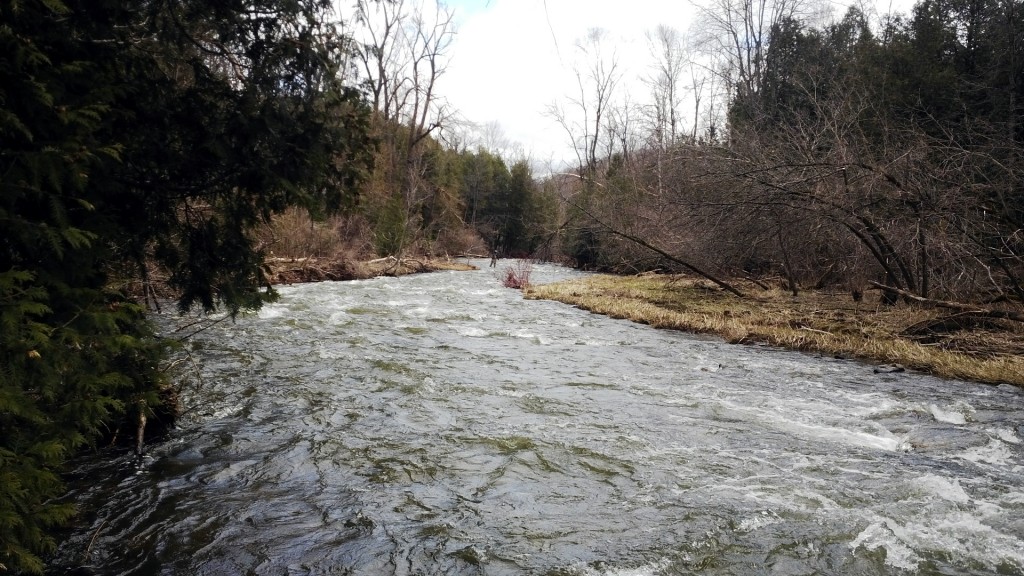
971	308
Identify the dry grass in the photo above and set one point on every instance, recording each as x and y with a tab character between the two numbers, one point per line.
990	351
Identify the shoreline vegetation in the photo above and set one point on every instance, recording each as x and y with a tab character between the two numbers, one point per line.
949	344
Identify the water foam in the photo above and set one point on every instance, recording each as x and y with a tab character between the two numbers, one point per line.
996	453
946	520
878	437
945	489
963	535
956	414
751	523
271	311
1005	434
886	534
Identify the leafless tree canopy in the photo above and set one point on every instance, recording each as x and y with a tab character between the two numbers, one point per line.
822	153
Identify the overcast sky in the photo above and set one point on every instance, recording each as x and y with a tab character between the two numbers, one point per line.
511	59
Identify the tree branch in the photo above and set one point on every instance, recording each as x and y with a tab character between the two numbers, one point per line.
986	312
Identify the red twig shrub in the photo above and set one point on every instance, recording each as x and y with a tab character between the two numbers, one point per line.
518	275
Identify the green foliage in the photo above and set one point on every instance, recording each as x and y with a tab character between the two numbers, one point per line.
71	360
518	211
135	133
391	227
485	178
505	205
442	208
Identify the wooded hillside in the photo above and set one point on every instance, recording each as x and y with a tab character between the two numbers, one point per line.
831	153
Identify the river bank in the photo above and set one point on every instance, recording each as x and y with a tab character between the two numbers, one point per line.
298	270
927	339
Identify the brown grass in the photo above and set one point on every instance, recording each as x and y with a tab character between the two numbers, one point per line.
991	351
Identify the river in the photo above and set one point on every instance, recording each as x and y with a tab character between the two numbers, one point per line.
441	424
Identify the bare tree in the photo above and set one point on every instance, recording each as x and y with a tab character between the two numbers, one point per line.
597	75
669	61
698	87
736	35
434	32
622	130
663	117
404	55
383	51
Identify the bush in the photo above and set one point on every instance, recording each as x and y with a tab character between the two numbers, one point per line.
518	275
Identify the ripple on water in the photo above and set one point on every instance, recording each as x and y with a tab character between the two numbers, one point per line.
440	424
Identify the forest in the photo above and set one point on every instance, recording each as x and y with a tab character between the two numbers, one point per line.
775	139
845	153
155	152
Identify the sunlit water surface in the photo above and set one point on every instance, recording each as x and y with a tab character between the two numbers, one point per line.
440	424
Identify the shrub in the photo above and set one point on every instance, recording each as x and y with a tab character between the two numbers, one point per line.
518	275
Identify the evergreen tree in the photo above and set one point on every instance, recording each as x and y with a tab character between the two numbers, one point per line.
519	213
135	134
485	181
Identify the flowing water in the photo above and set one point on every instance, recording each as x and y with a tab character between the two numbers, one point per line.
440	424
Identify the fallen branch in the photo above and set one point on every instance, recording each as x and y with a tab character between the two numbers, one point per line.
88	549
140	432
211	324
721	283
762	285
958	320
975	310
641	242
